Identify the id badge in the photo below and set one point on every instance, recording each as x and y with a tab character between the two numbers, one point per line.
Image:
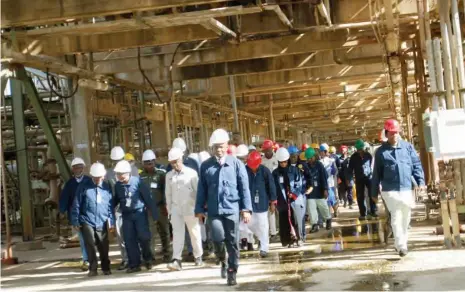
128	202
257	198
281	180
315	183
153	185
99	198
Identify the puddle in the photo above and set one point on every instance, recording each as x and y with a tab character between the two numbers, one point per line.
380	282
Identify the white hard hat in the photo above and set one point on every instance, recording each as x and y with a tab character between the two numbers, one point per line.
219	136
324	147
117	153
282	154
204	155
97	170
175	154
242	150
179	143
148	155
77	161
123	167
251	147
194	156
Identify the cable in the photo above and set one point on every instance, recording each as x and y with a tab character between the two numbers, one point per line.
145	76
58	94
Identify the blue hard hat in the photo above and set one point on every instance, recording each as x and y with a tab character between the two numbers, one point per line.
293	150
324	147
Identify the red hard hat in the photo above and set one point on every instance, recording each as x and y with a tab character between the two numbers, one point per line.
231	149
344	147
254	160
392	125
304	147
267	144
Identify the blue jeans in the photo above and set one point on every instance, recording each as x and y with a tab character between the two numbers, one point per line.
85	258
225	233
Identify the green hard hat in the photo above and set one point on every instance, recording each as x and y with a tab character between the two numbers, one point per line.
309	153
359	144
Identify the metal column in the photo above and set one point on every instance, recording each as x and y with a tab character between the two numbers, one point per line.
232	91
25	192
44	123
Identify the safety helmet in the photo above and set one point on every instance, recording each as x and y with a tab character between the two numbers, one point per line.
232	149
267	144
293	150
77	161
129	157
179	143
98	170
252	147
332	149
309	153
117	153
359	144
219	136
123	167
344	148
324	147
242	150
302	155
314	146
254	160
175	154
392	125
204	155
148	155
282	154
304	147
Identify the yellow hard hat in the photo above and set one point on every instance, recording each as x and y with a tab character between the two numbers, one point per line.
302	156
315	146
129	157
332	149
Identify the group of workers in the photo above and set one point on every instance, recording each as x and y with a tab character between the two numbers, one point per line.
228	198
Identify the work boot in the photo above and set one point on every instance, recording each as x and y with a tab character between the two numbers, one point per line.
263	254
299	243
315	228
107	273
224	270
122	266
362	218
231	277
403	252
328	224
250	246
199	262
345	205
351	207
85	266
148	266
243	244
133	270
175	265
92	274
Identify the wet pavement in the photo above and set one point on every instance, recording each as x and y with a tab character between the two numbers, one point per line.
352	256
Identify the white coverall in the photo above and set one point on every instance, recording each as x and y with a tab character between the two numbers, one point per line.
181	192
271	164
258	225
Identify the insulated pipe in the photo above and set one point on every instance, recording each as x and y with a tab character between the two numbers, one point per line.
432	74
459	48
439	75
446	52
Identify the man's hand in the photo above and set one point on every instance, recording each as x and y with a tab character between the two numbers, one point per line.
423	189
201	217
375	200
164	211
325	194
272	207
246	216
61	216
112	229
77	228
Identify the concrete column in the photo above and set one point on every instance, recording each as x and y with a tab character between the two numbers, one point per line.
159	133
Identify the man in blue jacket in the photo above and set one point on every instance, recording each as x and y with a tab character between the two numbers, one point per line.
92	214
67	198
396	162
134	198
317	191
360	164
263	191
224	191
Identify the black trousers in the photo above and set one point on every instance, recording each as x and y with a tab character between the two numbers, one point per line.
96	240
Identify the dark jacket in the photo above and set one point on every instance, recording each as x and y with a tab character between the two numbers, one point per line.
69	192
295	185
394	168
134	197
319	177
93	205
261	185
361	166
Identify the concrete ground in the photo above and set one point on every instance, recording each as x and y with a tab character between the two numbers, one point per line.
349	257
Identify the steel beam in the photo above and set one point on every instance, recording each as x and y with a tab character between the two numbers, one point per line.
34	98
25	192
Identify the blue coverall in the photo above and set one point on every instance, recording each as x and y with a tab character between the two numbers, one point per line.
224	190
133	198
66	202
